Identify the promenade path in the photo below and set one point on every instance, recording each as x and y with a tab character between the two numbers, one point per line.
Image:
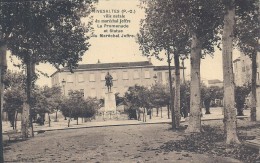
114	144
216	113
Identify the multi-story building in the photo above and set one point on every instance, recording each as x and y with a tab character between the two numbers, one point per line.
90	78
242	70
243	75
213	82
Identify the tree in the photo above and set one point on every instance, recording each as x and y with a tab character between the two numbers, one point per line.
46	100
159	96
76	106
14	98
185	98
203	23
198	22
240	97
90	107
139	97
3	67
13	95
230	120
34	31
170	36
208	94
247	37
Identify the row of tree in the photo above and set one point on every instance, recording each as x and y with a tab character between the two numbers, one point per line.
36	30
45	100
193	28
76	106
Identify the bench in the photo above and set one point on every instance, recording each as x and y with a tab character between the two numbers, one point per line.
14	134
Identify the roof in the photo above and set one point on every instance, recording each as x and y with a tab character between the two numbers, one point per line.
214	81
114	65
104	66
117	65
157	68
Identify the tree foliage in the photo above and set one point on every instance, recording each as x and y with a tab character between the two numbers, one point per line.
241	92
160	97
14	95
76	106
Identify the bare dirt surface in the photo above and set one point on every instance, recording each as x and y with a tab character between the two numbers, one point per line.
137	143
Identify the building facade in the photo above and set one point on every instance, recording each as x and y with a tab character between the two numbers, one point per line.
90	78
243	75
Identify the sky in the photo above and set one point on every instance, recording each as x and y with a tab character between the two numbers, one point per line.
126	49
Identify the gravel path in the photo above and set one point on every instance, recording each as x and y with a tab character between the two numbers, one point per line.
107	144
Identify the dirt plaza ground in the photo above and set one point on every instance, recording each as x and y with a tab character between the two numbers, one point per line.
133	143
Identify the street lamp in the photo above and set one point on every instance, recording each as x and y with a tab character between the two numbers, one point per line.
183	57
63	82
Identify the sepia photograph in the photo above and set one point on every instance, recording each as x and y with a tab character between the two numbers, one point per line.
130	81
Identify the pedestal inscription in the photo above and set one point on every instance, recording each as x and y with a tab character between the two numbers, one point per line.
110	102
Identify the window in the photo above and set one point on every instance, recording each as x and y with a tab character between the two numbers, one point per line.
103	75
80	78
93	92
167	77
126	88
136	74
147	74
92	77
125	75
82	92
159	77
114	75
70	78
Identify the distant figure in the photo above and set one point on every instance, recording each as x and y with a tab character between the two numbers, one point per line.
109	81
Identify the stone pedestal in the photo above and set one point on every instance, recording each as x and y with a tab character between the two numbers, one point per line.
110	103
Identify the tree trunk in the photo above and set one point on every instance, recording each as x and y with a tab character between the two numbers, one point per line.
77	120
230	120
157	112
15	120
25	120
168	111
177	91
161	112
171	91
29	88
56	116
207	108
49	119
3	67
69	122
151	113
253	87
195	99
144	115
207	105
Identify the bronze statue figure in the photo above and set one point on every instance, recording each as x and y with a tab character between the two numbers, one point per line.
109	81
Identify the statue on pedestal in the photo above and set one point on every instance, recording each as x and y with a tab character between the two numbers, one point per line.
109	81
